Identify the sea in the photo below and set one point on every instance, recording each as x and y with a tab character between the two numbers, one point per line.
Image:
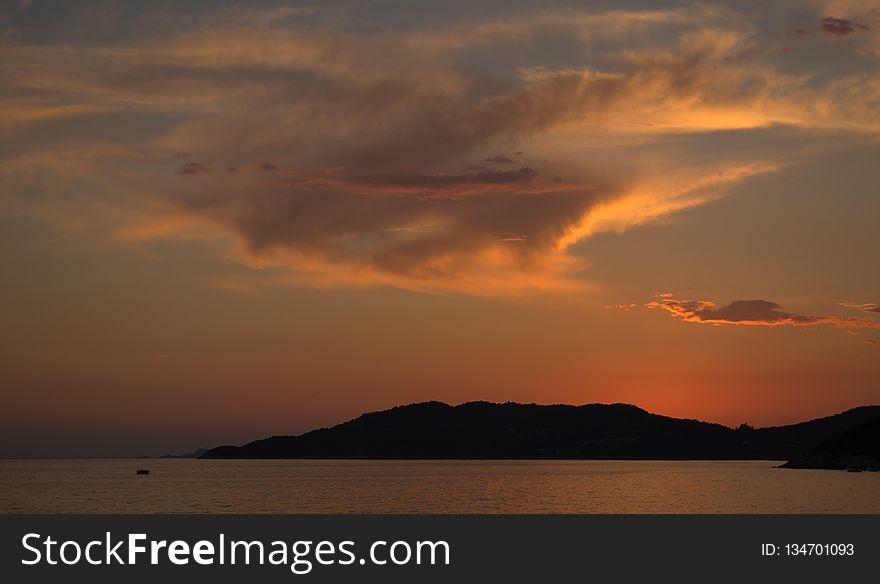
428	486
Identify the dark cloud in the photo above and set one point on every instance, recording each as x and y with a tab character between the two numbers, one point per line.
751	312
500	159
382	226
439	181
193	168
840	26
267	166
872	342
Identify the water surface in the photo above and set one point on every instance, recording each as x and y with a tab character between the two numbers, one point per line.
359	486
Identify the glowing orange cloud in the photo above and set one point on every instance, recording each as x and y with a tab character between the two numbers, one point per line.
753	313
337	158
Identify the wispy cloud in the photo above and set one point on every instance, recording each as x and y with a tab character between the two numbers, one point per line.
193	168
623	307
840	26
499	159
870	307
752	313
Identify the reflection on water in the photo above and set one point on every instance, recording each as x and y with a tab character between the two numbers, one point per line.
322	486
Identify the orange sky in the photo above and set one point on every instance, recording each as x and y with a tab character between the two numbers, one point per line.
225	221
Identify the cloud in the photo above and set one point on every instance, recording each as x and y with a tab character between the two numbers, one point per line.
488	232
473	182
379	123
500	159
840	26
193	168
623	307
752	313
869	307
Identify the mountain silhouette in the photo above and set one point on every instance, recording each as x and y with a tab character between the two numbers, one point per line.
435	430
858	447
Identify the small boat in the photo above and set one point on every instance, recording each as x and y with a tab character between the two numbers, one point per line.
854	469
143	471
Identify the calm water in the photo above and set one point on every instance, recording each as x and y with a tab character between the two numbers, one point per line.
202	486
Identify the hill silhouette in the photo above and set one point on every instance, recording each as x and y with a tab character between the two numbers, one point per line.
858	447
435	430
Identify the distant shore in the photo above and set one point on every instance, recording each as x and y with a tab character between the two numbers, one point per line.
512	431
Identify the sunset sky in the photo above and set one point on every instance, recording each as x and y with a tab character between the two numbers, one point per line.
221	221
